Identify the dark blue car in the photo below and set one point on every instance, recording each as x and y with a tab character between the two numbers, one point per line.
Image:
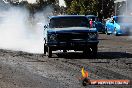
97	24
70	32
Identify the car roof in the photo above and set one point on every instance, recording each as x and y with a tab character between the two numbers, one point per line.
91	16
59	16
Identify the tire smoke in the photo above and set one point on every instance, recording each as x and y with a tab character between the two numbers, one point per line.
20	31
124	9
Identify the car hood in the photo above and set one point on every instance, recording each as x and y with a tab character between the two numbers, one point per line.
71	29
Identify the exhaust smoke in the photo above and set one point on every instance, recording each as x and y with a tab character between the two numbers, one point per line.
19	31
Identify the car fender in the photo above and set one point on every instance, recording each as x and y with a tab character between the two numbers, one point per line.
116	26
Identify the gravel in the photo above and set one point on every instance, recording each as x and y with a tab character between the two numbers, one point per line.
26	70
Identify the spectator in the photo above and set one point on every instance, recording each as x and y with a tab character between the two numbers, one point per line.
91	23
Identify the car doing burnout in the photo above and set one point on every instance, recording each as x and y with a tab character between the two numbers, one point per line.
70	32
119	25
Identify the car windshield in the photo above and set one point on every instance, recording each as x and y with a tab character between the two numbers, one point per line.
93	18
62	22
123	19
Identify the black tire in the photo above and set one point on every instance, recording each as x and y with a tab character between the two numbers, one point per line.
45	49
103	32
49	52
64	51
116	34
94	51
86	52
106	31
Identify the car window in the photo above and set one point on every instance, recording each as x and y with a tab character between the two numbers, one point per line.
61	22
93	18
111	21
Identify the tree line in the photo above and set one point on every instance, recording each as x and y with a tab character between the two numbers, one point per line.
101	8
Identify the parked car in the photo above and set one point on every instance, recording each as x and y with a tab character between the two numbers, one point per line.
97	24
119	25
70	32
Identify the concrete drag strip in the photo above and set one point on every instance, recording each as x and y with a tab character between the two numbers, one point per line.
19	77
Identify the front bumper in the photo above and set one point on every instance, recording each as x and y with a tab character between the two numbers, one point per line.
71	45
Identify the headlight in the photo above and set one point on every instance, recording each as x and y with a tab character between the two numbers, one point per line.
52	37
93	35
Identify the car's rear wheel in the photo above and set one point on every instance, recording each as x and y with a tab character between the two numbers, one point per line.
49	52
108	33
103	31
115	32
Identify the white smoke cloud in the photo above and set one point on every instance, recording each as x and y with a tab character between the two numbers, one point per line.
20	32
125	10
62	3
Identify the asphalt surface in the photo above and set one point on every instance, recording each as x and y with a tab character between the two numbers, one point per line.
26	70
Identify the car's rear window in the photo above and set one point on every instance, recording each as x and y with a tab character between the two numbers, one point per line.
62	22
93	18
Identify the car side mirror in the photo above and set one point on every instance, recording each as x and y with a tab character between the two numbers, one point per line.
45	26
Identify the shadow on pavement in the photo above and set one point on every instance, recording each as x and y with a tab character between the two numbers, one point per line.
113	55
101	55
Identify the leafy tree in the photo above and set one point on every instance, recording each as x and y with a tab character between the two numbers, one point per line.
105	8
82	7
74	8
101	8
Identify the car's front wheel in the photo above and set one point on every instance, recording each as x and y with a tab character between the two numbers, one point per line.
64	51
86	51
45	49
49	52
94	51
115	32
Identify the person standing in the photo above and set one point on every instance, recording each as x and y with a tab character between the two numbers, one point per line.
91	23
